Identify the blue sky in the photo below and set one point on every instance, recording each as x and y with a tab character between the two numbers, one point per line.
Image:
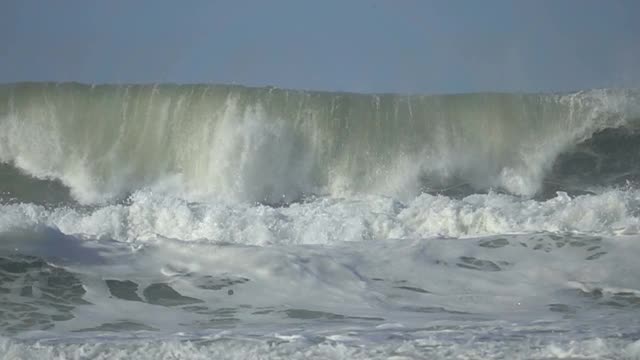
351	45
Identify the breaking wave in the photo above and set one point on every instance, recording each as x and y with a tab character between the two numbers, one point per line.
99	144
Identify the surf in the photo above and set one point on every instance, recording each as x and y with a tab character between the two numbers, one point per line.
218	220
278	146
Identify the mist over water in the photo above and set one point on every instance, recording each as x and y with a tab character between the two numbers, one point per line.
225	221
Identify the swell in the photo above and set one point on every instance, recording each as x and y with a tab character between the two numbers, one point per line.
276	146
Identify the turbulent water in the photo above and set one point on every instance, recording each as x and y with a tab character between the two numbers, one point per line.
211	221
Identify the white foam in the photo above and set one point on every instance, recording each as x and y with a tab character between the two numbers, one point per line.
151	214
359	290
507	277
633	350
329	349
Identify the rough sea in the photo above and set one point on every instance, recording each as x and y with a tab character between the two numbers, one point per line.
226	222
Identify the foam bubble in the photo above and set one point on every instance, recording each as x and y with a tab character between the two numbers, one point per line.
329	349
149	214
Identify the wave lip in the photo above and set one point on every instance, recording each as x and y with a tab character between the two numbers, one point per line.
277	146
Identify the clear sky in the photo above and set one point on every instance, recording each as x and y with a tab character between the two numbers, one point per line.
352	45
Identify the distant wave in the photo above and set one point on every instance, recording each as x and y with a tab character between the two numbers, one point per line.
277	146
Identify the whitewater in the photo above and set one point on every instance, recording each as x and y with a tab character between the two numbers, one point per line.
231	222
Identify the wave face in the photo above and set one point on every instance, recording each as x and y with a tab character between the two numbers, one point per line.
277	146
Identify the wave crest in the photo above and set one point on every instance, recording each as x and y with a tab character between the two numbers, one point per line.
277	146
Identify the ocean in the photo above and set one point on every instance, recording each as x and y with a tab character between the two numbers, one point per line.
228	222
